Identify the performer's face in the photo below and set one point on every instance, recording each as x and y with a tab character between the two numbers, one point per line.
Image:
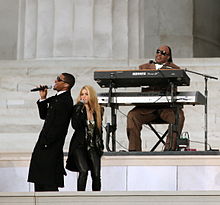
84	96
60	83
162	55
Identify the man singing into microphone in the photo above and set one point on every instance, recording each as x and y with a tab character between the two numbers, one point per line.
145	114
46	167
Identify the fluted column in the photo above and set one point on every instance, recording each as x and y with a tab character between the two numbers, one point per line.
80	28
109	29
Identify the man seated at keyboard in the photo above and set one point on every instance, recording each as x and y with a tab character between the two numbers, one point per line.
145	114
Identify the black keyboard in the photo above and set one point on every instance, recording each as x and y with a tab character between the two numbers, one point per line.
137	78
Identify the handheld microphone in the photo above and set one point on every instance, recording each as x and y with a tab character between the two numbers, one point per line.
80	106
41	88
82	101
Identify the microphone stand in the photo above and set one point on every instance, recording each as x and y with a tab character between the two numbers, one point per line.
206	77
111	128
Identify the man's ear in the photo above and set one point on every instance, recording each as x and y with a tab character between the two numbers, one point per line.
66	85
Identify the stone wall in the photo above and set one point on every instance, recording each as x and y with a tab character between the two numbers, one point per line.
206	28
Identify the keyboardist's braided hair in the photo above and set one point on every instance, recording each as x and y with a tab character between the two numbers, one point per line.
170	60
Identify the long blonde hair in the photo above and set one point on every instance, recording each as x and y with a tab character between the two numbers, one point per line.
92	103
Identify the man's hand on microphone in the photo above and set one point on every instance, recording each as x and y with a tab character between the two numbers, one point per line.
43	93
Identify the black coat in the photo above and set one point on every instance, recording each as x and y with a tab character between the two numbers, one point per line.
46	166
78	141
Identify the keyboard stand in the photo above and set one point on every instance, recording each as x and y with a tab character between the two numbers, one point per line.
111	128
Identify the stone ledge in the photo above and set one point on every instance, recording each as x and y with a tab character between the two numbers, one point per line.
116	198
99	62
22	159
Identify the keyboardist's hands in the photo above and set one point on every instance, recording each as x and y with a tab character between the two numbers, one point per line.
147	66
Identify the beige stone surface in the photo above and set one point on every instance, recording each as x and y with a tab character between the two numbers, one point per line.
112	198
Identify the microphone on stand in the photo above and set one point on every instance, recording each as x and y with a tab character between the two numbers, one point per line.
151	61
41	88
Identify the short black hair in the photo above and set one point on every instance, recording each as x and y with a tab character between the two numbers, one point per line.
70	79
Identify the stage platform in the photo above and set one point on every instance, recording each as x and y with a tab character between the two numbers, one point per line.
167	153
129	171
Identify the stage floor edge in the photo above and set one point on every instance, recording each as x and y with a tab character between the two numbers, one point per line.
125	153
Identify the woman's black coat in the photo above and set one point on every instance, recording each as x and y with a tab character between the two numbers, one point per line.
46	166
78	141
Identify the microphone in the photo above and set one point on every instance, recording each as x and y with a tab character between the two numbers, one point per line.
80	106
82	101
151	62
41	88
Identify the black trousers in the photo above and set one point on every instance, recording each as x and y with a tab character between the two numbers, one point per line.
88	160
43	187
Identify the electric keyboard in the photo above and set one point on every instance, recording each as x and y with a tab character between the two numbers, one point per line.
137	78
135	98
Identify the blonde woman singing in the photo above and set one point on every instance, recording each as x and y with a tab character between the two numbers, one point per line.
86	146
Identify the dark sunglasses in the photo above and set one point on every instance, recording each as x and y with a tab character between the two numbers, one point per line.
60	80
161	52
